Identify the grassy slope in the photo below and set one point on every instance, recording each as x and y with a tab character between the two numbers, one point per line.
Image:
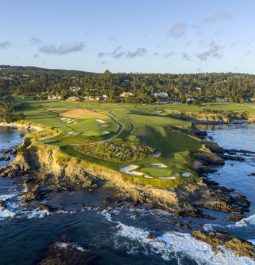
150	124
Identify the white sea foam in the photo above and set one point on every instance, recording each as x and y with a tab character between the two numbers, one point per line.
37	214
245	222
249	221
5	213
66	245
170	243
5	197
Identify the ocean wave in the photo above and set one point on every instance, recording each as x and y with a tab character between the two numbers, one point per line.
245	222
5	213
37	214
67	245
170	243
5	197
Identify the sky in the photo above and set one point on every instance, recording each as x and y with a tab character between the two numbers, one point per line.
162	36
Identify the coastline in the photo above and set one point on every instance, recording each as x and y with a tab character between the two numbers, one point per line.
46	162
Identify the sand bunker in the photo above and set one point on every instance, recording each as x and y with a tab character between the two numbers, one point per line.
186	174
167	178
105	132
100	121
159	165
130	171
156	154
82	114
147	177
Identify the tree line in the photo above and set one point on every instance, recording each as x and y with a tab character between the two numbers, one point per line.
207	87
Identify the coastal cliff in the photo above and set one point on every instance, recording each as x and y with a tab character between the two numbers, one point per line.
45	168
45	165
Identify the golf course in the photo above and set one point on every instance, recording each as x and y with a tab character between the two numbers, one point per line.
148	144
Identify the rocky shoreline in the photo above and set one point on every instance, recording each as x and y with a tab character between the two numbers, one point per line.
44	169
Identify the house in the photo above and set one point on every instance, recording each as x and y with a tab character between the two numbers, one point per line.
160	95
54	97
75	88
103	97
73	99
126	94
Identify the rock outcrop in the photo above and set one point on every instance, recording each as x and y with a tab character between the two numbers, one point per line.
221	239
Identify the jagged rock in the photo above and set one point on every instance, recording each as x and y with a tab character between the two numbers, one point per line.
28	196
208	158
235	217
213	147
66	254
216	239
45	207
233	158
5	158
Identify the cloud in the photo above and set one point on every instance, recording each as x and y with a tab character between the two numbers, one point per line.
62	49
186	56
36	56
213	51
217	16
168	54
35	41
137	53
177	30
100	54
4	44
118	53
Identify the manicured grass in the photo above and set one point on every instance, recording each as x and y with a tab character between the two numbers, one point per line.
151	125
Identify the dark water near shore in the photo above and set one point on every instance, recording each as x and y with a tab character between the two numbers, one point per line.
121	235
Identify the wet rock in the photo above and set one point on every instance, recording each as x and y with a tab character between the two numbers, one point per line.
213	147
208	158
240	151
4	152
217	239
61	253
233	158
235	217
45	207
28	197
13	151
5	158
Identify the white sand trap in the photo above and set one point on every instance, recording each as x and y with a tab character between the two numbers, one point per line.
156	154
129	170
167	178
100	121
148	177
105	125
186	174
70	133
159	165
105	132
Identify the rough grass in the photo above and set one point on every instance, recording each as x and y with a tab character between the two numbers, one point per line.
83	114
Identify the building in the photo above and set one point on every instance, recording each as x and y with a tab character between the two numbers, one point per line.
126	94
73	99
54	97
